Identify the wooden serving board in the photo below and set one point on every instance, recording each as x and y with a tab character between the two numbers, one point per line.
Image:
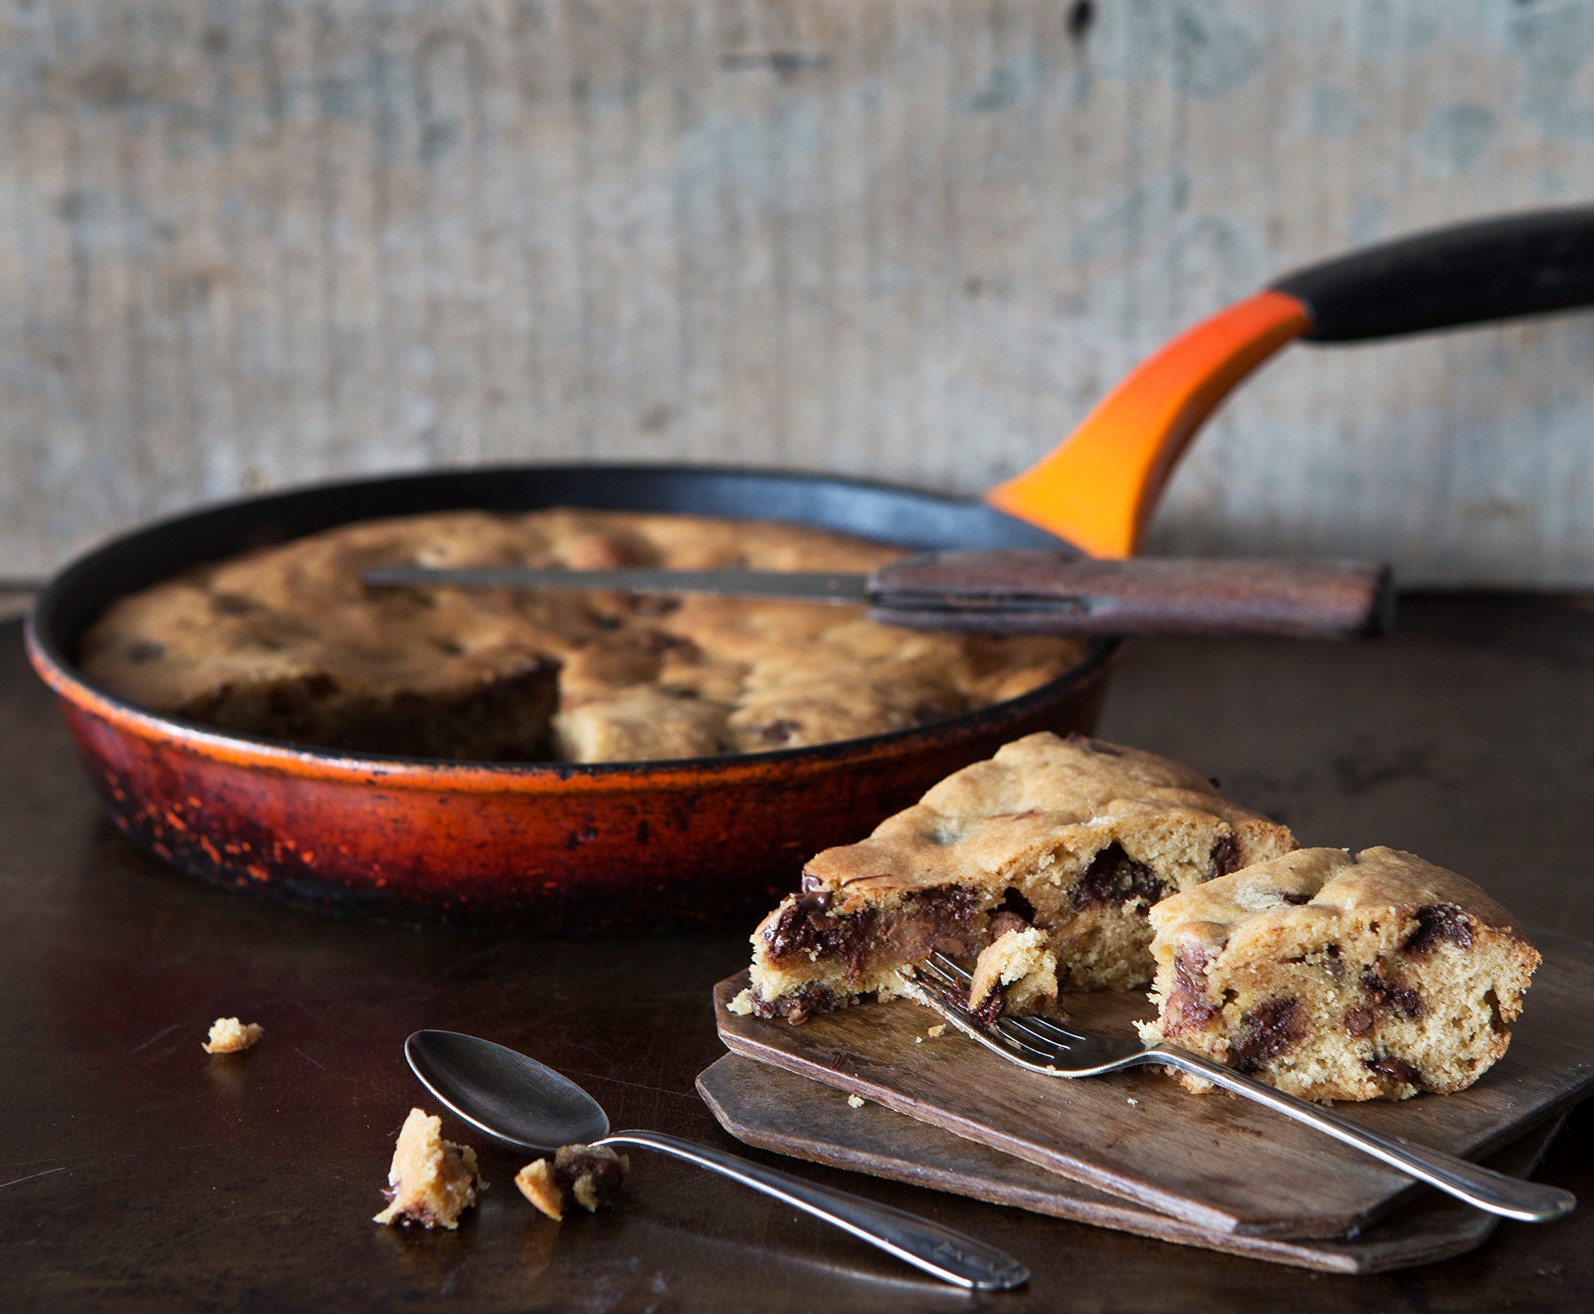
1216	1162
780	1111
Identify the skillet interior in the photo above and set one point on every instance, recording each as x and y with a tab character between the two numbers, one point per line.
570	846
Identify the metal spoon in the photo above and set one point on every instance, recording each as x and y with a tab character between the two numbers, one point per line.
520	1102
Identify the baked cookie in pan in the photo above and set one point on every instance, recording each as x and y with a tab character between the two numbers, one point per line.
287	642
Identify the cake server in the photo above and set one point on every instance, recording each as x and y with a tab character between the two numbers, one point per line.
1019	591
528	1106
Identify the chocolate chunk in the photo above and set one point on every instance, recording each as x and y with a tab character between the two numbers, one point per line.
778	731
1294	897
814	898
1188	1008
1225	856
990	1009
1385	991
1114	877
658	642
589	1176
233	604
798	1007
1266	1031
654	604
1396	1070
1002	921
1359	1021
1436	924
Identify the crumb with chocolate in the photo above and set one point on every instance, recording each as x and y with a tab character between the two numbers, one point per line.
588	1176
431	1181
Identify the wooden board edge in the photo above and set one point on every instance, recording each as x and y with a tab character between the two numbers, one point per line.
1456	1230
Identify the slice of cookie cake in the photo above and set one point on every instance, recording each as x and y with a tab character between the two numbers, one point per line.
1335	976
1074	837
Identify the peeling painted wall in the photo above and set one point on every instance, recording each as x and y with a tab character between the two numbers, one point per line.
248	244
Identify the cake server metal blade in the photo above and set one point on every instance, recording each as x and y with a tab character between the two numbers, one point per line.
806	586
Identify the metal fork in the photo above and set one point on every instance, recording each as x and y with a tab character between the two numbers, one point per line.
1054	1050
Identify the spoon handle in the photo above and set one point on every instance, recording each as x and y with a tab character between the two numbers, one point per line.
951	1256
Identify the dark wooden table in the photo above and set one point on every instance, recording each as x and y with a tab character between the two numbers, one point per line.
138	1174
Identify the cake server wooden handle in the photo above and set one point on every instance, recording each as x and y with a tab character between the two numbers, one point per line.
1030	591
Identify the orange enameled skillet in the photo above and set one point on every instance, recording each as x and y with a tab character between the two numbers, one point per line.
652	843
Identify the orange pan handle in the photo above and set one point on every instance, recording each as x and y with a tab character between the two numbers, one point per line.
1099	488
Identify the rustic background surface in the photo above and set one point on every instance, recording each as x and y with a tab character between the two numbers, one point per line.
246	243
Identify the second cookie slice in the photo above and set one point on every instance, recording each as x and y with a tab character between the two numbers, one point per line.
1339	976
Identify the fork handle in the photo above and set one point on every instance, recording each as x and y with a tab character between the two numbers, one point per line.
951	1256
1510	1197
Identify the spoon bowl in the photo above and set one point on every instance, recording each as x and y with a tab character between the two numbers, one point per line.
514	1099
521	1103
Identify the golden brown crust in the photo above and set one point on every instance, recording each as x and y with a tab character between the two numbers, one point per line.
1040	796
287	642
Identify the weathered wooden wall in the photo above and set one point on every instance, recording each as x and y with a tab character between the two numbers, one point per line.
245	243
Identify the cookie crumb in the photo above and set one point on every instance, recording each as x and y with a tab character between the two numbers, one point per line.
918	1040
230	1036
856	1101
431	1181
1134	1103
585	1175
937	1031
742	1005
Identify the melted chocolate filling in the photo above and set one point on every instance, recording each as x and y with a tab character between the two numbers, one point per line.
925	920
1114	877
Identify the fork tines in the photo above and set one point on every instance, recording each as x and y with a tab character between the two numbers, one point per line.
1039	1027
944	986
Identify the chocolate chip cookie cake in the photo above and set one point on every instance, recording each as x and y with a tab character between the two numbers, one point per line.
1075	838
1335	976
287	642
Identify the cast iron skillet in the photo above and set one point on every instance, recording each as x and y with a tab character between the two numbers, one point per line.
653	843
